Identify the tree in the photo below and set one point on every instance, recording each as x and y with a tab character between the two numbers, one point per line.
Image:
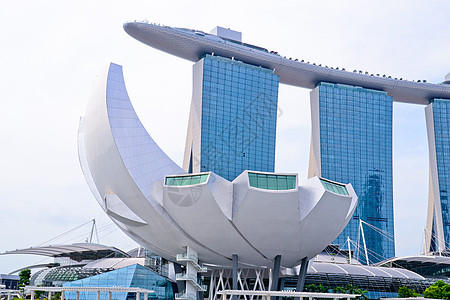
56	296
38	294
312	288
438	290
362	293
405	292
339	290
24	278
322	289
351	289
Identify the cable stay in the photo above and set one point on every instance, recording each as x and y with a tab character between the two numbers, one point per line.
85	236
360	246
435	237
63	234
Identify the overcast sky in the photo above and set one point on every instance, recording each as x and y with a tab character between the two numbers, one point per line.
51	51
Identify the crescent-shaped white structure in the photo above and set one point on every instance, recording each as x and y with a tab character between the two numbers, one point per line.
161	207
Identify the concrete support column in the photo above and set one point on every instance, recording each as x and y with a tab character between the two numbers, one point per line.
276	275
78	295
63	295
138	295
32	294
302	275
235	275
110	296
49	295
145	296
98	295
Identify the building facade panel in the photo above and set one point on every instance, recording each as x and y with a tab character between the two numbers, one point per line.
354	144
237	124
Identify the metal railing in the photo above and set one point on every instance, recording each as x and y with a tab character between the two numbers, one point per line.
185	296
191	278
98	290
267	294
11	293
185	257
191	258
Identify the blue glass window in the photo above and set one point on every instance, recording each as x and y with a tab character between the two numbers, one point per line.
186	180
272	181
356	147
441	120
334	187
131	276
239	115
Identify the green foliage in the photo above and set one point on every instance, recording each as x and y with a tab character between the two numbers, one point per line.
56	296
38	294
405	292
24	278
312	288
348	289
439	290
339	290
351	289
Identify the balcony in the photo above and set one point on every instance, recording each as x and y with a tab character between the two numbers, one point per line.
185	296
192	279
193	260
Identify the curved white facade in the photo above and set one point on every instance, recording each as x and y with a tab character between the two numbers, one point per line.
127	173
192	44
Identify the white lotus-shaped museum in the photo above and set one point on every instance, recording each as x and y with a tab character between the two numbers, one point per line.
257	216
